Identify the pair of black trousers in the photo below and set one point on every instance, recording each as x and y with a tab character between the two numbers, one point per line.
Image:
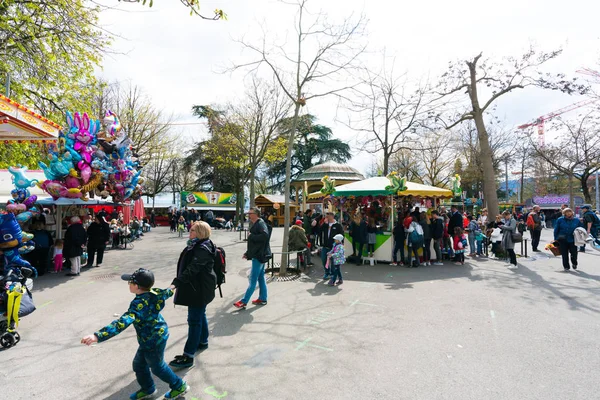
535	239
512	256
93	251
567	248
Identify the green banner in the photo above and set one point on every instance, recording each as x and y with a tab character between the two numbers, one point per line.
215	199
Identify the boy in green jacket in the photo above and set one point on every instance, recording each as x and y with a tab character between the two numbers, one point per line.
152	334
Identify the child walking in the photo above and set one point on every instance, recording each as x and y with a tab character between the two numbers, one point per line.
152	333
459	245
57	256
337	258
181	226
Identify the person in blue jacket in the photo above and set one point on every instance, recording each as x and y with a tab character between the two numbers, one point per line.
563	232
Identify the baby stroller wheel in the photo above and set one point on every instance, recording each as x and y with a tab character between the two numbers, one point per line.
7	340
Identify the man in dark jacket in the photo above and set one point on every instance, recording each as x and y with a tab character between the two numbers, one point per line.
98	235
437	233
591	223
195	282
308	229
535	228
399	239
259	252
328	230
75	238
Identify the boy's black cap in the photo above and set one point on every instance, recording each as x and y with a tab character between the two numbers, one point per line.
141	277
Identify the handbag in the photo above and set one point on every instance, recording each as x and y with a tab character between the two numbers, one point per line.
517	237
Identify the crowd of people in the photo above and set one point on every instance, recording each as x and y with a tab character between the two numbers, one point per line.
85	240
428	238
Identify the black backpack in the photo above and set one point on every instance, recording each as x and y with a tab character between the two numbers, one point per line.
220	268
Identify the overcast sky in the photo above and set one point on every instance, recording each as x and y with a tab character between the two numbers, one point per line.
178	59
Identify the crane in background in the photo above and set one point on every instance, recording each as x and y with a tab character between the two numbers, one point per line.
539	122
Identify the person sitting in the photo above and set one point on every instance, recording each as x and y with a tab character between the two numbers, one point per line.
298	241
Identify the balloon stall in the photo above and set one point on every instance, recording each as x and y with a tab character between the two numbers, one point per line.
93	160
20	209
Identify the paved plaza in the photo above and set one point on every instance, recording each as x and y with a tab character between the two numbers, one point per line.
478	331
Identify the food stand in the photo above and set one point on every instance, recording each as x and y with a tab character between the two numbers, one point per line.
274	204
377	197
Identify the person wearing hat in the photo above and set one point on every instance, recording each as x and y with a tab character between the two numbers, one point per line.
152	334
591	223
564	233
336	258
297	240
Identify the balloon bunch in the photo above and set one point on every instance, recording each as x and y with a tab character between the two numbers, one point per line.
20	209
89	161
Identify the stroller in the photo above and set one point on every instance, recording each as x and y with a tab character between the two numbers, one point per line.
16	301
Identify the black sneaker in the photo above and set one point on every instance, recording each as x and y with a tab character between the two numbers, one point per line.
574	266
182	361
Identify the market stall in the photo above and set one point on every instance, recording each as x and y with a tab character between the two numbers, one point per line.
274	204
377	197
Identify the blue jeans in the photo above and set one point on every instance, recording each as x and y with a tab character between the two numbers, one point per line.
257	274
324	251
197	330
336	272
471	242
146	360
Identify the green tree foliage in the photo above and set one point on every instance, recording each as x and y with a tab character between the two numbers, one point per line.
193	5
50	49
314	144
26	154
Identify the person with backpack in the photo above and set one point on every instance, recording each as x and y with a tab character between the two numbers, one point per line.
195	283
591	223
437	234
415	242
259	252
534	224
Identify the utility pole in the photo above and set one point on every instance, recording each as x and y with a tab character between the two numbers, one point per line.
597	193
506	178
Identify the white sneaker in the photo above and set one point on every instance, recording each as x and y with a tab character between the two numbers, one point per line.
393	263
438	263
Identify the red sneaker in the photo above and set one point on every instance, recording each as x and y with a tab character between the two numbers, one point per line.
259	302
239	304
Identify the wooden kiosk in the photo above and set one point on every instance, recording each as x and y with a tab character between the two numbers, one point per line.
274	204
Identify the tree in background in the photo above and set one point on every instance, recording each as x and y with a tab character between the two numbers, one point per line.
473	76
387	110
192	5
50	49
576	153
314	144
323	53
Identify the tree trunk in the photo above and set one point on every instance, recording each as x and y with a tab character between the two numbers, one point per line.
571	196
386	163
585	188
489	176
288	174
252	194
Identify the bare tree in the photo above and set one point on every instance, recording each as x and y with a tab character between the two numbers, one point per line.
436	160
323	52
387	111
158	170
259	115
407	163
577	151
471	76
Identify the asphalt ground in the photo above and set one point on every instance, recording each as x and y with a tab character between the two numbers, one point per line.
478	331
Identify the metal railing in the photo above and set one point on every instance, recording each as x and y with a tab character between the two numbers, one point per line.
273	265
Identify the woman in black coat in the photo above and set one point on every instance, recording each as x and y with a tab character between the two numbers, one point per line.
75	238
195	283
98	235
